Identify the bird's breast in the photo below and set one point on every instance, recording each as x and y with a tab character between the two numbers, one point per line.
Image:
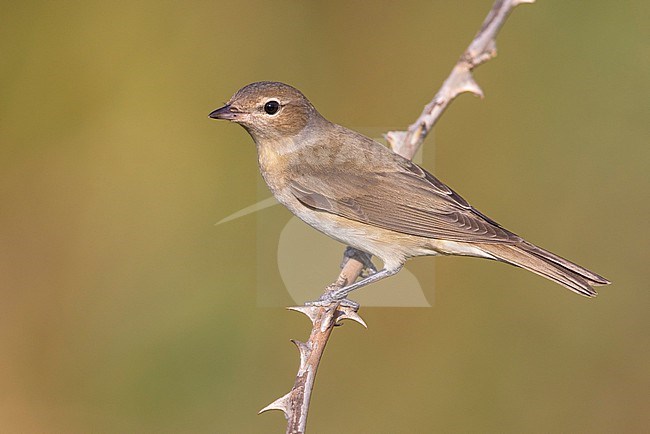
273	167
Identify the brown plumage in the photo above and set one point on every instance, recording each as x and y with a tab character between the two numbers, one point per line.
361	193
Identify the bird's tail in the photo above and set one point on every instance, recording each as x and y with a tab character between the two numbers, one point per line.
547	264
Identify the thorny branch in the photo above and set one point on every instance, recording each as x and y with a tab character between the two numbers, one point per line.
295	404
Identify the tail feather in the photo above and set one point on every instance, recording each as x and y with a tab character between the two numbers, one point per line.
547	264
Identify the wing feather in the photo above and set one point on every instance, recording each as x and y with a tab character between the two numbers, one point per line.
408	200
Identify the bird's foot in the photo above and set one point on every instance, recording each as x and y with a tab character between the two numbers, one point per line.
327	299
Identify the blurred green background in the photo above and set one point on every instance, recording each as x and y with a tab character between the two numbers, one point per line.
123	308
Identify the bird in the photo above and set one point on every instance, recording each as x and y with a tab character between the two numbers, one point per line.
360	193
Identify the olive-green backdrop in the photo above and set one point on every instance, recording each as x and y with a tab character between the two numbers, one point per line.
123	308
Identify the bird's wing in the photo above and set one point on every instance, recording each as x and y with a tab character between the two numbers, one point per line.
404	198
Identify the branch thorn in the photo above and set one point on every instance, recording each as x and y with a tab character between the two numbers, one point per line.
279	404
470	85
304	349
351	314
310	311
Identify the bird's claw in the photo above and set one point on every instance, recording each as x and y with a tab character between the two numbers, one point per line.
327	299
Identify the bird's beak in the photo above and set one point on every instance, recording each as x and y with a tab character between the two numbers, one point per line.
226	112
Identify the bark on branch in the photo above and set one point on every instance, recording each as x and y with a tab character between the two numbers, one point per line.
295	404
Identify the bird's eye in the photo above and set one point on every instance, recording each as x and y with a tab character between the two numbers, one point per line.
271	107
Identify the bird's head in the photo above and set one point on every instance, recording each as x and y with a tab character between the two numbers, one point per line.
268	110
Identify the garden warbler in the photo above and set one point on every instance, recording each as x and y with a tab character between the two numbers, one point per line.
362	194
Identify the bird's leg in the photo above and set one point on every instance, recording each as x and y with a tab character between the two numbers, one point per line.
340	294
